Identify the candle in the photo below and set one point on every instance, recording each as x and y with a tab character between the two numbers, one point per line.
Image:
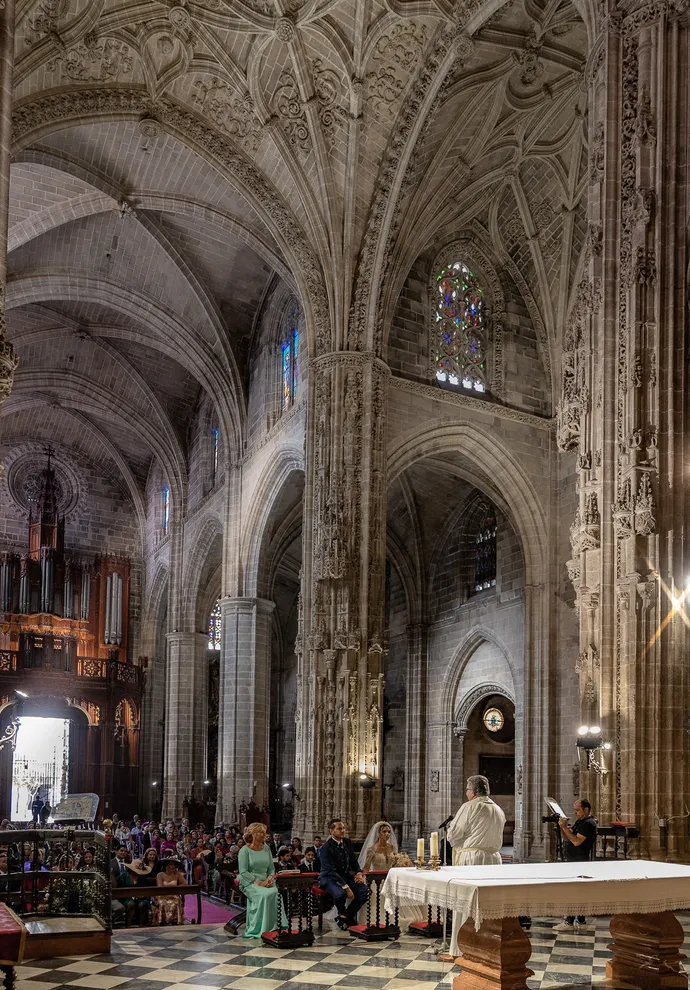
433	845
420	849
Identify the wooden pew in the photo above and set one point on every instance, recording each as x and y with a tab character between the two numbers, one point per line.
122	893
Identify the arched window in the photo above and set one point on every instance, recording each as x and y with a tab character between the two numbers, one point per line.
289	346
215	626
460	329
215	436
485	551
166	508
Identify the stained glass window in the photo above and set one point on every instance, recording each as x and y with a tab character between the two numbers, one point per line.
215	435
289	350
460	329
493	719
485	552
215	625
166	508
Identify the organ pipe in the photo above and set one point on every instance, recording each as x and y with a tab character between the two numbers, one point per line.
24	589
85	594
47	569
117	624
6	583
108	608
68	592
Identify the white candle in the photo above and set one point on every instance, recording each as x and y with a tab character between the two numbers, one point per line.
420	848
433	844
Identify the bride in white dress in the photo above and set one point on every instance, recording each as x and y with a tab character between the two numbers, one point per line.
380	852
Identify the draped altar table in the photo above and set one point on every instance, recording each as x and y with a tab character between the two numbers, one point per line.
640	895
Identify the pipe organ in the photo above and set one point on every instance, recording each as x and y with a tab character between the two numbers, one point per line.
44	592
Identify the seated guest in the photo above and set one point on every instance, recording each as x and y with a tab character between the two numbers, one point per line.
146	869
285	861
341	876
120	877
168	846
309	863
257	882
317	848
169	910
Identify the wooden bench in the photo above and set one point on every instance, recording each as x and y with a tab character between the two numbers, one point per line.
123	893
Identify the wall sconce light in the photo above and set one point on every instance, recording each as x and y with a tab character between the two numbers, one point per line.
366	781
590	739
290	788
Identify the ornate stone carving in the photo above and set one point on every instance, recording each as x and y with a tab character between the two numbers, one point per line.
396	53
286	104
285	29
8	358
645	512
597	152
329	95
435	781
230	113
106	60
44	21
623	511
636	371
645	125
646	592
644	271
531	66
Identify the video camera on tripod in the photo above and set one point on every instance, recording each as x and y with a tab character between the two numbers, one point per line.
553	819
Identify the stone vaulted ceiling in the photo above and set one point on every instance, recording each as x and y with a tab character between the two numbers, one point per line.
172	158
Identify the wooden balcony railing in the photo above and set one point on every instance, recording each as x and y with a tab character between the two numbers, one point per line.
93	668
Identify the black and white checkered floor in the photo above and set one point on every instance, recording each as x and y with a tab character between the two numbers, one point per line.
181	958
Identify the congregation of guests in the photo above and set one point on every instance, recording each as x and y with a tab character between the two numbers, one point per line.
224	862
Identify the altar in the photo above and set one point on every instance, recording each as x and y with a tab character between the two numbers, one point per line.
493	951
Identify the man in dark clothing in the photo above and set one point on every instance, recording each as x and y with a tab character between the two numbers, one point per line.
129	908
36	806
578	846
341	876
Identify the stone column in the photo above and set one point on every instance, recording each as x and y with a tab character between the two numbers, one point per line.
244	705
340	654
8	359
623	410
416	708
186	720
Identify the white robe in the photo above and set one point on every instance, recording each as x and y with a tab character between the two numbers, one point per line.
476	835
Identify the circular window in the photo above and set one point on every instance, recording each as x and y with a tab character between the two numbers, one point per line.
493	719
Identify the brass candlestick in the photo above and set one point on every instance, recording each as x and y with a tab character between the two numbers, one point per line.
434	863
420	864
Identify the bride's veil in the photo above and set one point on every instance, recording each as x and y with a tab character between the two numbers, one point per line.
371	840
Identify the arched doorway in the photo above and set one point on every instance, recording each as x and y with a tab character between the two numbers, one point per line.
44	768
484	743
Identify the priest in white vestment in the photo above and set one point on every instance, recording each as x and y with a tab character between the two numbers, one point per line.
476	834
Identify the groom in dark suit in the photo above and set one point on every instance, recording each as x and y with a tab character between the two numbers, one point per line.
341	876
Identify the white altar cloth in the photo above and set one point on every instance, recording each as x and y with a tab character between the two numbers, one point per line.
551	890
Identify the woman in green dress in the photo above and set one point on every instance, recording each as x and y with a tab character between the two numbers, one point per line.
257	882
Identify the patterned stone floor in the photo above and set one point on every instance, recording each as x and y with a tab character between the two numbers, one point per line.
181	958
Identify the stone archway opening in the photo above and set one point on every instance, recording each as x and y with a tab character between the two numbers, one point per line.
486	745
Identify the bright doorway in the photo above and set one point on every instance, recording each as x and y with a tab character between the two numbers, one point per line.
40	765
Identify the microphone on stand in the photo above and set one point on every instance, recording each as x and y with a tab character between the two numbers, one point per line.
448	820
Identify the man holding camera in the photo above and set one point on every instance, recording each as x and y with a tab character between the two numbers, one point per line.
578	843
